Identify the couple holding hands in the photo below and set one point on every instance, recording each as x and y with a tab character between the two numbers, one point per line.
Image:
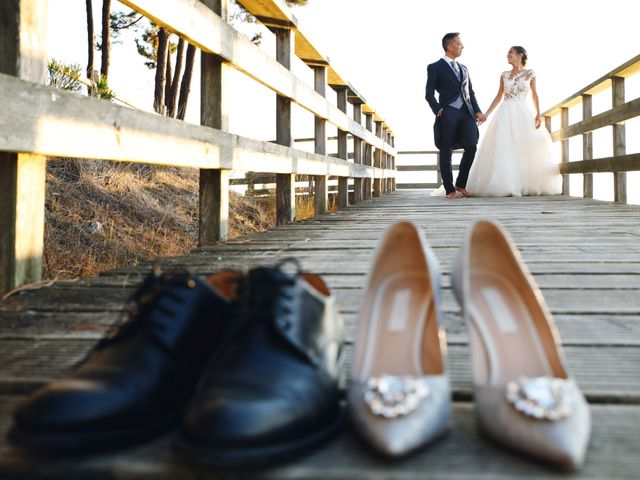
515	156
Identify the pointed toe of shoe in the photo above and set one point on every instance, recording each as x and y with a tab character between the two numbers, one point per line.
562	443
402	435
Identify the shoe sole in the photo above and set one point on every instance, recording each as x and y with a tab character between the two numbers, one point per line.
256	456
84	441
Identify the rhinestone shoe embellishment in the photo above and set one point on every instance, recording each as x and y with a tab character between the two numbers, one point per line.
390	396
543	398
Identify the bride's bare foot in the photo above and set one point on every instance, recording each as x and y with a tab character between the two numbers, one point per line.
463	191
455	195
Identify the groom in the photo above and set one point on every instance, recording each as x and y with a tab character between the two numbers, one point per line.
457	114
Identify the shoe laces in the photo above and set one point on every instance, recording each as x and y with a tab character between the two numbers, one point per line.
259	298
145	300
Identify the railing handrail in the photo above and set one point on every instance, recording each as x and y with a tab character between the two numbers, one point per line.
209	32
620	111
625	70
40	121
275	13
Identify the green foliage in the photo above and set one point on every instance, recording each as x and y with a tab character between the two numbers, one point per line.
147	46
120	21
104	92
64	76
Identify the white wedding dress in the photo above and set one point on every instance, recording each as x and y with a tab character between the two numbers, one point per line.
514	158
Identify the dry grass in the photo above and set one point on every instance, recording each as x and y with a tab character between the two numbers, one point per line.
102	215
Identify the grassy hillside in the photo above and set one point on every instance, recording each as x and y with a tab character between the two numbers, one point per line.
101	215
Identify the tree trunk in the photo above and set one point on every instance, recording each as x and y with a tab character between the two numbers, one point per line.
169	77
161	71
106	37
90	41
185	87
172	101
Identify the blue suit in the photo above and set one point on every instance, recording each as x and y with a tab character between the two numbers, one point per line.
456	127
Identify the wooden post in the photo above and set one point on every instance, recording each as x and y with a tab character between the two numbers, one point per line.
23	28
619	141
393	164
564	122
285	182
377	162
213	223
368	156
321	181
343	182
587	147
357	154
385	161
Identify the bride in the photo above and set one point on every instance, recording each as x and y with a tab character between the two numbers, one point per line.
515	156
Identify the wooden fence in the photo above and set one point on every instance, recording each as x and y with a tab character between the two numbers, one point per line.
38	121
620	111
422	167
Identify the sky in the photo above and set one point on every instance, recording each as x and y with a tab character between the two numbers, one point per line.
384	47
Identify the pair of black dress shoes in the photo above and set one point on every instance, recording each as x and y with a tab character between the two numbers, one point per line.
245	366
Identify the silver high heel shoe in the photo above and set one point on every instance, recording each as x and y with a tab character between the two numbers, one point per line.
524	397
399	395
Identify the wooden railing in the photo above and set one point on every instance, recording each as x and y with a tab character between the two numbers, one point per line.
620	111
38	121
422	167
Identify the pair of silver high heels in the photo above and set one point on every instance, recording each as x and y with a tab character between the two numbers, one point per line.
399	395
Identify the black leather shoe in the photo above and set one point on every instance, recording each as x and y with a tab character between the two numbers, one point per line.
135	384
274	391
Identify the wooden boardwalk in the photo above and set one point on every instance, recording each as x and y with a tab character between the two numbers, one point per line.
584	254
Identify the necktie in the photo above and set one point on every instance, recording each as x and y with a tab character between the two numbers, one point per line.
456	68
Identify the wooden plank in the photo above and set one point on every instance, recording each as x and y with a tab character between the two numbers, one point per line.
413	186
80	299
618	114
213	217
321	184
575	329
357	156
102	130
213	200
343	182
203	28
417	168
619	140
22	192
587	146
564	122
463	453
583	253
285	184
22	176
624	163
277	14
377	162
605	373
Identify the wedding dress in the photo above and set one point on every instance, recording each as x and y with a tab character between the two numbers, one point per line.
514	158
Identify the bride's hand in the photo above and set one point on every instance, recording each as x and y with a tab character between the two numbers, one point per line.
538	121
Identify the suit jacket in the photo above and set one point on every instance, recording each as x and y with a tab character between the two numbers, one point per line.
442	78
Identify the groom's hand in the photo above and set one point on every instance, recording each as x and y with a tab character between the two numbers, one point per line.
481	118
439	114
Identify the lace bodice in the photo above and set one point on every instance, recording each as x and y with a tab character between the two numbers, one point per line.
518	86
